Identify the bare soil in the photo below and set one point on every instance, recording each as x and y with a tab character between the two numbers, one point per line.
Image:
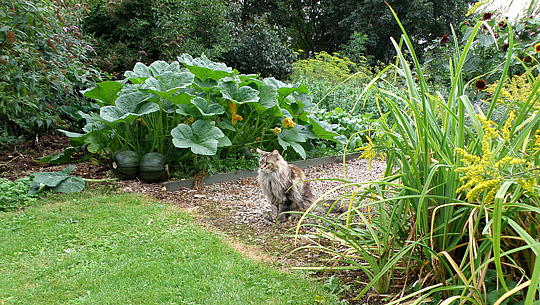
237	210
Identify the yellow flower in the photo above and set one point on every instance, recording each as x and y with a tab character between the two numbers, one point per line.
236	118
277	130
191	120
537	47
288	122
232	107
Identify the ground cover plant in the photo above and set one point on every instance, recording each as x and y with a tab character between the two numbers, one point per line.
124	248
457	211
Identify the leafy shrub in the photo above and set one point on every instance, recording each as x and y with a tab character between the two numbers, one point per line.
14	195
355	49
203	108
43	64
145	31
257	47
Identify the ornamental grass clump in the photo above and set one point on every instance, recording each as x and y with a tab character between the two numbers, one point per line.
456	215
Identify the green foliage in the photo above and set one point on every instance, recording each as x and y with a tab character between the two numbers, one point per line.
125	248
145	31
460	193
60	181
423	19
356	48
489	49
203	109
43	64
355	128
258	47
14	195
331	68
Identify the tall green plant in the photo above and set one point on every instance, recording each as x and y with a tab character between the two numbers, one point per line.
460	191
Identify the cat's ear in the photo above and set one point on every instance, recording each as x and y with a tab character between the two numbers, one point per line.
275	152
260	151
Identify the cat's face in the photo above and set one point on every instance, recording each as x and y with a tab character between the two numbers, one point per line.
269	161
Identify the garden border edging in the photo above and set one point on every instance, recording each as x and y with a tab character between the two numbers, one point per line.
172	186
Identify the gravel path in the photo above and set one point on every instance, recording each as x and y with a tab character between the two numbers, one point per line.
238	207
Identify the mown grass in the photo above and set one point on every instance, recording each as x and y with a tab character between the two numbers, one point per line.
125	249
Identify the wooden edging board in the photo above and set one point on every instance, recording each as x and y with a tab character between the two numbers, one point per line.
223	177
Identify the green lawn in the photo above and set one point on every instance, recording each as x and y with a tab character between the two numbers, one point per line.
126	249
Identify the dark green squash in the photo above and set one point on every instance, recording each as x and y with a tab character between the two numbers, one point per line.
125	164
153	167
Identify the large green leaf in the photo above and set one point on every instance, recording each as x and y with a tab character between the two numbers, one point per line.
159	67
139	74
97	143
267	98
181	98
60	181
62	157
285	90
324	131
186	110
239	95
288	138
169	83
128	107
206	108
205	69
105	92
201	137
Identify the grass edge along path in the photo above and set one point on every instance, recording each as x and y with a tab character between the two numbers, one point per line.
127	249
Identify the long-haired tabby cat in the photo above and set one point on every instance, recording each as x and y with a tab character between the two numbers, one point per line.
279	183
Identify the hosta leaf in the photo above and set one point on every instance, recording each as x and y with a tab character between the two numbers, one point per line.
206	108
205	69
288	138
105	92
240	95
201	137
